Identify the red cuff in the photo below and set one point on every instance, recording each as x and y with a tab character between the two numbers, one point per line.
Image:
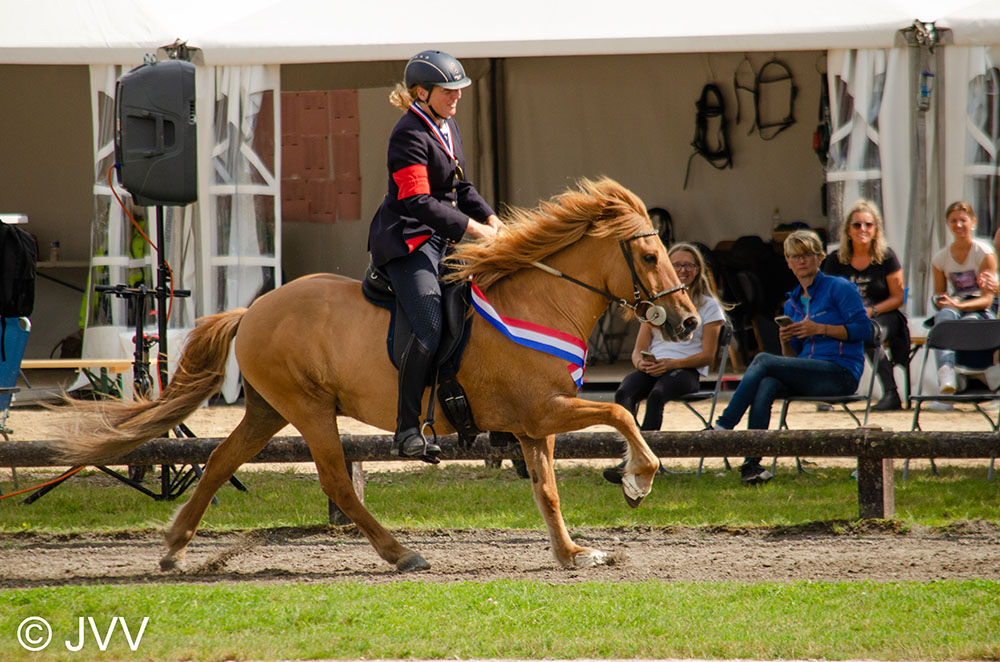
412	180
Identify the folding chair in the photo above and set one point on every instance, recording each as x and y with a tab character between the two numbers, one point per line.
15	339
834	400
967	335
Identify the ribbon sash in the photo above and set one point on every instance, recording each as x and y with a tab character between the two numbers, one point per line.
445	140
535	336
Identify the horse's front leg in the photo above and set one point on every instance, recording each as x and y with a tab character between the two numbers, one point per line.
566	413
538	455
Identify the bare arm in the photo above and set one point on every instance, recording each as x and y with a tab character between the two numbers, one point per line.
895	299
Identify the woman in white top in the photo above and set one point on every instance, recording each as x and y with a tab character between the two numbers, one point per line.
958	269
668	370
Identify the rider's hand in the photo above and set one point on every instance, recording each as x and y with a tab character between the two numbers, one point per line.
478	230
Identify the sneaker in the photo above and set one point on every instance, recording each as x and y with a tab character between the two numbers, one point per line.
936	405
889	402
614	474
823	406
754	474
946	379
992	377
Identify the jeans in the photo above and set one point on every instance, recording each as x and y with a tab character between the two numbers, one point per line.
657	391
770	377
969	359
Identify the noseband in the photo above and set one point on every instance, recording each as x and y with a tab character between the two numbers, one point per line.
654	314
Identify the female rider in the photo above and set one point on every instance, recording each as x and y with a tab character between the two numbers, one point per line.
429	206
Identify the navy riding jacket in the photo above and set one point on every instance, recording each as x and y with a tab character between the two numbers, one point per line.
425	194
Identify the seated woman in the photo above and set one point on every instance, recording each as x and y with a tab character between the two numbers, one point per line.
667	370
864	259
958	270
822	348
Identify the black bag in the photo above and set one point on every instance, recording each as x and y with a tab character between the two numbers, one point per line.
18	254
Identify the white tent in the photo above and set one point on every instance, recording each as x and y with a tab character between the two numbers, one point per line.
553	50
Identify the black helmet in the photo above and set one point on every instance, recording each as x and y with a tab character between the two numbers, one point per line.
430	68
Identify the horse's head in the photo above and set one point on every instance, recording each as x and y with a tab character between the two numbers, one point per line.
639	273
657	294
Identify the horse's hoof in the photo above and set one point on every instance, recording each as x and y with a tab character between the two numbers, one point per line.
633	494
590	557
171	565
633	503
412	562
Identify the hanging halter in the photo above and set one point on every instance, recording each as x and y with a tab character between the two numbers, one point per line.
653	314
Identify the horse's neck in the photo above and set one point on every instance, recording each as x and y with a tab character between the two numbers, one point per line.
535	296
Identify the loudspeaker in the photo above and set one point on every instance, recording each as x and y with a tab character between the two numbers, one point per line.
156	133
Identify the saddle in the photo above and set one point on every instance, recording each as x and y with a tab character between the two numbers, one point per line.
455	303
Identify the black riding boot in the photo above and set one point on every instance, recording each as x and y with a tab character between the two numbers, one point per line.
409	441
890	399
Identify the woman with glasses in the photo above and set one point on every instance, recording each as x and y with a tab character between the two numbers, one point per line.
822	346
958	270
866	260
667	370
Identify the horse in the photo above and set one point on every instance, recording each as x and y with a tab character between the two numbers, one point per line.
315	348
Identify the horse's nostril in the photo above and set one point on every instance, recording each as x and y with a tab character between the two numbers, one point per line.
690	323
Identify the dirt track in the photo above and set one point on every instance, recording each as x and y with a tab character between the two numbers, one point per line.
818	552
330	554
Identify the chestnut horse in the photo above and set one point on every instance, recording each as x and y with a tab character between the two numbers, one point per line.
315	348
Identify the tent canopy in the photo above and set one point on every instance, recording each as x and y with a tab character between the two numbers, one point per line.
295	31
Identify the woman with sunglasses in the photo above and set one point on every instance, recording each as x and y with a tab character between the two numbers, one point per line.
822	346
667	370
866	260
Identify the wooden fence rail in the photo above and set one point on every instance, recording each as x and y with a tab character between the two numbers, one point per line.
874	448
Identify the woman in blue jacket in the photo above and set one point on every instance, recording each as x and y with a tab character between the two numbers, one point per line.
822	347
429	206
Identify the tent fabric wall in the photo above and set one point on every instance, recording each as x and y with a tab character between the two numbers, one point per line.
240	210
870	151
632	117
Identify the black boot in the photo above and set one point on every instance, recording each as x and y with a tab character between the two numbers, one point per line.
890	400
409	440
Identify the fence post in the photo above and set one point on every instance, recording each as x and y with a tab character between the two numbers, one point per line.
876	489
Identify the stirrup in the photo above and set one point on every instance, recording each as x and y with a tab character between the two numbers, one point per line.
416	445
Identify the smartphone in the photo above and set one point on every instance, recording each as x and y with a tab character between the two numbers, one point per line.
649	356
782	320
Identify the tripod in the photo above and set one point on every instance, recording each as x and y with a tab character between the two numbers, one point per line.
173	481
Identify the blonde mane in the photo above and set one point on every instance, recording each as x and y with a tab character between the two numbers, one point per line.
601	208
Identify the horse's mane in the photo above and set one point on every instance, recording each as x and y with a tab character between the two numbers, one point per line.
601	208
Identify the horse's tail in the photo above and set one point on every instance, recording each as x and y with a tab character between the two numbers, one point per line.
104	431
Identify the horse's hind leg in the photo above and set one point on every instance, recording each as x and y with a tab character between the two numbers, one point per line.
538	455
321	434
260	423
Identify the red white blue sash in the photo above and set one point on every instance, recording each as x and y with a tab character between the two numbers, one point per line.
535	336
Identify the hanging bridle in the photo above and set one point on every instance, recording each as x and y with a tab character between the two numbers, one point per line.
654	314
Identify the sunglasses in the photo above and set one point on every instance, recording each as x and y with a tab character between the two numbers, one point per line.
857	225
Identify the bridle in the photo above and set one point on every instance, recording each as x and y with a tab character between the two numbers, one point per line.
654	314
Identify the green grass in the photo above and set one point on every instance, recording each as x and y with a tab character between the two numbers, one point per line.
506	619
425	498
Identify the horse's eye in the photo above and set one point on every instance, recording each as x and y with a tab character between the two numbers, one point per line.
649	258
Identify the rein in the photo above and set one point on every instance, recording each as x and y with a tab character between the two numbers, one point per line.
655	315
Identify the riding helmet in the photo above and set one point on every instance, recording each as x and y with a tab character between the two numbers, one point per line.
430	68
